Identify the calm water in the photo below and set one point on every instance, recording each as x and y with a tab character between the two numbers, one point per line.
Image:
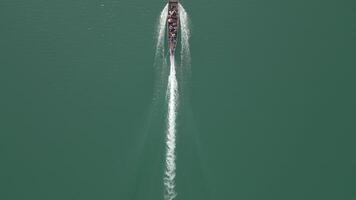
268	112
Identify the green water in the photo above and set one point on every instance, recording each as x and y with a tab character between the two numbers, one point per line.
269	111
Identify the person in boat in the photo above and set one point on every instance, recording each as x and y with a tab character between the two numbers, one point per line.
172	13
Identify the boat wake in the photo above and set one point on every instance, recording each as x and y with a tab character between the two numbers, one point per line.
171	92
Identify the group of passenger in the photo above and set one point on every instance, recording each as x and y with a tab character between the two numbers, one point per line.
172	23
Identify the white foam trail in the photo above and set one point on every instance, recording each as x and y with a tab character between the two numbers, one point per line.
185	35
172	93
160	62
161	30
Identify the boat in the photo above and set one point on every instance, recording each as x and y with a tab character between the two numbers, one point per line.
172	25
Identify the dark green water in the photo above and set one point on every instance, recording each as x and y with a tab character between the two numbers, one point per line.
269	110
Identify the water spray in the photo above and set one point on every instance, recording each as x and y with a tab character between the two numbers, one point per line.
173	19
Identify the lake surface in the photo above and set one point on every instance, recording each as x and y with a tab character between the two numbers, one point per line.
267	113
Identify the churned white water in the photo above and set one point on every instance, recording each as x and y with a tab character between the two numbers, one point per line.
172	94
185	35
161	31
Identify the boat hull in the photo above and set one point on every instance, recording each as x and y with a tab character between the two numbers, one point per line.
172	25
